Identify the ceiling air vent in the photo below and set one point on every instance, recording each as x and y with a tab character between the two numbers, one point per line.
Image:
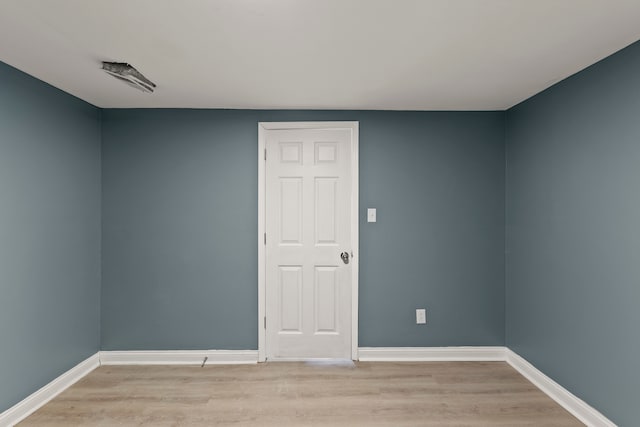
129	75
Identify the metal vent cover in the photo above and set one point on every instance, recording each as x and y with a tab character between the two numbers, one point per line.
129	75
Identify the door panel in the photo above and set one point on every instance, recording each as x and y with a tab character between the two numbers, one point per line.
290	299
290	211
326	300
326	190
308	213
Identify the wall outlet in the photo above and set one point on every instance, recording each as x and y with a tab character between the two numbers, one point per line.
421	316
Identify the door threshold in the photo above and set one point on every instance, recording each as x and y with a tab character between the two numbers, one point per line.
317	361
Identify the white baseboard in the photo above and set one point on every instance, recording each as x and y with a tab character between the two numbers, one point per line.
179	357
580	409
33	402
431	354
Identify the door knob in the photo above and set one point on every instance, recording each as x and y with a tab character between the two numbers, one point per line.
345	257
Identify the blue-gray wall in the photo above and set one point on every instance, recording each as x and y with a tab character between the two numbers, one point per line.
573	234
49	233
180	225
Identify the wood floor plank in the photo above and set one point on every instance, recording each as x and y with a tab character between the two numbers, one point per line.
301	394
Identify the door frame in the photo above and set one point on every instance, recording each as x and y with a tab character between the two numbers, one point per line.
263	127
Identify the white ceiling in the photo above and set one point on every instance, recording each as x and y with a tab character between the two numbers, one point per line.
319	54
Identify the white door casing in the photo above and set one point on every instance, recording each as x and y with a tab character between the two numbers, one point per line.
308	209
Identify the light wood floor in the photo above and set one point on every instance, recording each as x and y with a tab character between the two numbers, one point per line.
299	394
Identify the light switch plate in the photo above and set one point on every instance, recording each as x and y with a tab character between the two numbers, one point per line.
371	215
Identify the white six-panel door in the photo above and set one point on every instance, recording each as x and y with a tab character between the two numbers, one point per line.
308	228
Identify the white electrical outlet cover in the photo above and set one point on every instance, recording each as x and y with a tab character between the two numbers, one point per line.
421	316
